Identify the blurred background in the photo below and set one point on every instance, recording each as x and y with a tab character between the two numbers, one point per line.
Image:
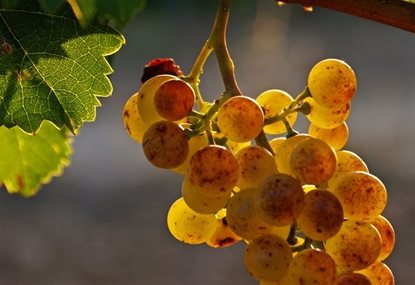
104	221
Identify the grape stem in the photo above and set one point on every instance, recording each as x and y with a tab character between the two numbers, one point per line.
396	13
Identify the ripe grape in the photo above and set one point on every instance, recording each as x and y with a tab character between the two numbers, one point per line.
336	137
313	161
267	258
362	195
165	144
213	170
379	274
274	101
200	203
355	246
255	163
322	215
279	199
145	100
347	162
327	118
132	120
195	143
312	267
352	278
240	119
387	234
188	226
332	83
174	99
283	153
223	235
243	217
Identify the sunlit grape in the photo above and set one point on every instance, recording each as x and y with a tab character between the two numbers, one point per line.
240	119
332	82
243	217
387	234
165	144
213	170
188	226
276	142
336	137
267	258
322	215
362	195
355	246
174	99
327	118
283	153
347	162
145	100
255	163
279	199
200	203
352	278
274	101
223	235
312	267
313	161
379	274
133	123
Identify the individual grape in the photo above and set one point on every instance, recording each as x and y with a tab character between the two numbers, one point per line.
276	142
133	123
267	258
200	203
347	162
332	83
145	101
279	199
379	274
327	118
387	234
240	119
336	138
312	267
223	235
352	278
272	102
174	99
159	66
283	153
355	246
255	163
195	143
188	226
165	144
313	161
243	218
322	215
213	170
362	195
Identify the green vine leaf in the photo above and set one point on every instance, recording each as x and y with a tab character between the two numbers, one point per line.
51	68
27	161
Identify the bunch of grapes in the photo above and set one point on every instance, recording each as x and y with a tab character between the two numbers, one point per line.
309	211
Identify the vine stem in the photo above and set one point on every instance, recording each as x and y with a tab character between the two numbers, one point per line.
395	13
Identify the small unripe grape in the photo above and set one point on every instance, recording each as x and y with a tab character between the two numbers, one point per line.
174	99
240	119
165	144
313	161
332	83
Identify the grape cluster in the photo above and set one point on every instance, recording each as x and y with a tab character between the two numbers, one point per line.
309	211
